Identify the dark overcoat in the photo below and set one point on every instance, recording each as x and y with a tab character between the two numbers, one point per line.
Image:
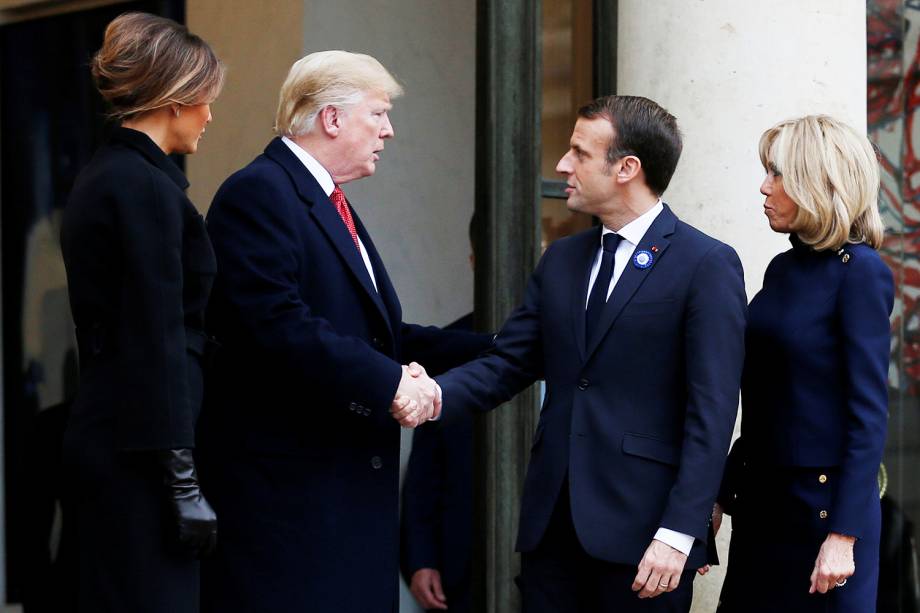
139	271
298	442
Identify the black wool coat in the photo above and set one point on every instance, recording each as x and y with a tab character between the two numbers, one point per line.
139	270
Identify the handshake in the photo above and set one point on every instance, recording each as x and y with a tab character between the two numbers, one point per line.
418	397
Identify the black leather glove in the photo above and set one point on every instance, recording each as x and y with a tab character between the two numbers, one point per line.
194	517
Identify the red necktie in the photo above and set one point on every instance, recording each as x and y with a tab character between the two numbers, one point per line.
341	205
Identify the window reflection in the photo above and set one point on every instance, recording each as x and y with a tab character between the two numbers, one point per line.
893	111
567	84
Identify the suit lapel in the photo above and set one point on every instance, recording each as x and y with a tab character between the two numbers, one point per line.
327	218
633	277
585	257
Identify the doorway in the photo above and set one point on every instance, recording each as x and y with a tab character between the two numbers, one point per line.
51	121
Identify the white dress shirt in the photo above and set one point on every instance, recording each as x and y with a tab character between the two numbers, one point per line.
325	181
630	235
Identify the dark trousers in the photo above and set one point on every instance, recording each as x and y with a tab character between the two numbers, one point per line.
560	577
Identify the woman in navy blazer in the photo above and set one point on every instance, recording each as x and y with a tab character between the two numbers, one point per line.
801	481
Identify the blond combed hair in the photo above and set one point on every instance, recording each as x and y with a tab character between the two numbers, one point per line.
831	172
147	62
328	78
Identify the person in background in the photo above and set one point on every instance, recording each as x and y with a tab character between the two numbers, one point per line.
437	511
139	268
801	483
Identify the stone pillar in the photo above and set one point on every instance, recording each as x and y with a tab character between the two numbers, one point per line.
507	194
729	70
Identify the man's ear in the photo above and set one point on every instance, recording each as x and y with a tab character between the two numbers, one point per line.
629	168
331	120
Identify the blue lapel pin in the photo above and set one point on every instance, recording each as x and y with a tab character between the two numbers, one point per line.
643	259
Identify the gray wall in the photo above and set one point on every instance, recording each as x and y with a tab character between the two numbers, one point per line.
418	205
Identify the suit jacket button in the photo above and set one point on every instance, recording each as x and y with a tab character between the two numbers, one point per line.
376	342
376	462
822	479
352	406
823	514
583	384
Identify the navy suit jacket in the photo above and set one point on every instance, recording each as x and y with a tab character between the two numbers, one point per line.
639	417
300	453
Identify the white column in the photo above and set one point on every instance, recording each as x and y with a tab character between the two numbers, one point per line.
728	70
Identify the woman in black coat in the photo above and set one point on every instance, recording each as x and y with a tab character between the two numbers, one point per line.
139	270
801	481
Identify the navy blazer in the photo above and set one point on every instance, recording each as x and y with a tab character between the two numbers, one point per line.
638	418
300	449
815	385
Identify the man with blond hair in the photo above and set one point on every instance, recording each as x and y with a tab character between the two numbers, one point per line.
300	433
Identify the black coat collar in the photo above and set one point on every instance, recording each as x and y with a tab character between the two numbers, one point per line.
144	144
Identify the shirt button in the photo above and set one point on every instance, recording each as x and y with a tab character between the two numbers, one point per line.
822	479
376	462
583	384
823	514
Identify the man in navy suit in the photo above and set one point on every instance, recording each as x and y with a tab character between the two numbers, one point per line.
637	328
300	434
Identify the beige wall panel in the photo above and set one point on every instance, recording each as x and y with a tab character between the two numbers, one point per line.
258	41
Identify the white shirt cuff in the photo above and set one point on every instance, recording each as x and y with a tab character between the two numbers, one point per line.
678	540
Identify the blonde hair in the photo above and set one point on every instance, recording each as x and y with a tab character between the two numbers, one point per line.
328	78
148	62
831	172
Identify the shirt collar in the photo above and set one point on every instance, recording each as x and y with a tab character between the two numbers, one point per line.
636	229
316	169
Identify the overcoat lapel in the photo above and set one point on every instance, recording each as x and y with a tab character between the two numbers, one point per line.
633	277
327	218
385	289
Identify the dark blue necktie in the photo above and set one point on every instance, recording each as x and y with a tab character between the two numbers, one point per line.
598	297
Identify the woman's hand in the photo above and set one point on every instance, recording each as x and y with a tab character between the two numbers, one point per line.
716	524
717	513
834	564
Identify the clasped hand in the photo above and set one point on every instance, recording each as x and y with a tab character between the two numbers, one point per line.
418	397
